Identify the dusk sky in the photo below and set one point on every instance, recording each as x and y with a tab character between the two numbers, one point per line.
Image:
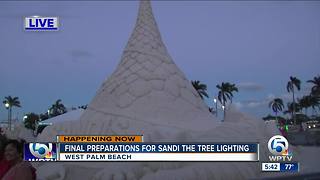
256	44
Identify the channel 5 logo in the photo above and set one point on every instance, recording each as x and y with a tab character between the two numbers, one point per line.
40	152
279	147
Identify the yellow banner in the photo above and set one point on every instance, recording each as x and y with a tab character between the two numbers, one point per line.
99	139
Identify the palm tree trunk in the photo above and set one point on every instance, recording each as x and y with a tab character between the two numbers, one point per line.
306	111
294	107
10	117
313	111
216	109
224	110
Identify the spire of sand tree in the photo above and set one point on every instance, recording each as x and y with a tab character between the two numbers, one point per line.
294	82
146	89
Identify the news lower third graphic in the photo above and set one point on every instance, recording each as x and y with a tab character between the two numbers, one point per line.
39	23
132	148
281	156
157	152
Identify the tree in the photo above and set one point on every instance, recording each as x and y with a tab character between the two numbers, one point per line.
200	88
294	82
226	93
44	116
315	90
277	106
305	103
9	103
290	107
83	107
31	121
302	118
57	108
314	102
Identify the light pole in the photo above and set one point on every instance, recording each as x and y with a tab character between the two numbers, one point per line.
7	105
224	114
216	104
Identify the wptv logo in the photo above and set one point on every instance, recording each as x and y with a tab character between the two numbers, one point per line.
279	147
40	152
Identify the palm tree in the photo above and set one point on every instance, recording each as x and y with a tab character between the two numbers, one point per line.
226	92
314	102
277	106
315	90
294	82
83	106
305	103
57	108
30	121
200	88
10	102
290	107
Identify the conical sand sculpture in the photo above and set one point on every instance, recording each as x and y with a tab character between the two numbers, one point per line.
147	88
148	94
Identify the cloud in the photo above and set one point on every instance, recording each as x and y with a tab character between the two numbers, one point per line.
238	105
259	103
270	97
306	88
249	86
78	54
286	97
263	103
251	103
255	104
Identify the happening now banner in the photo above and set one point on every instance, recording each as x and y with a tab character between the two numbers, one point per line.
132	148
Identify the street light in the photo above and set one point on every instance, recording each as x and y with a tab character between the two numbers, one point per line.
215	102
7	105
25	117
224	114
